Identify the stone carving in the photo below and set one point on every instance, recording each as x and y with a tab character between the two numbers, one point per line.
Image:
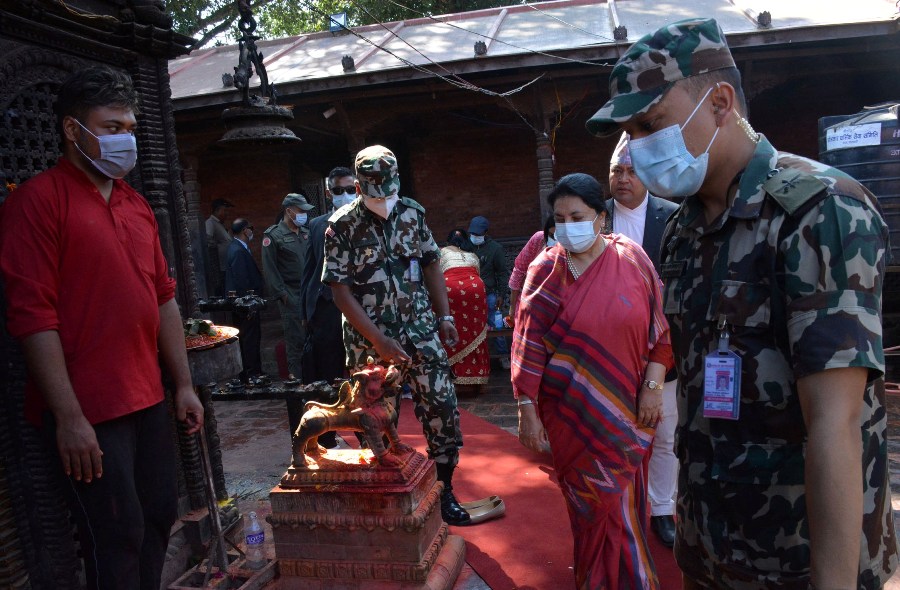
361	407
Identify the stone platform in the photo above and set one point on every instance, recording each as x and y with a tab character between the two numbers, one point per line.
348	523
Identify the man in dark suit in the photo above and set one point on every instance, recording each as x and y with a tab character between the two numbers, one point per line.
642	217
323	354
242	276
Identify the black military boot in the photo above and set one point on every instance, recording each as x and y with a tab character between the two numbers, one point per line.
451	511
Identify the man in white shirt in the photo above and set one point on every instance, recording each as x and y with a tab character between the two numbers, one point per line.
637	214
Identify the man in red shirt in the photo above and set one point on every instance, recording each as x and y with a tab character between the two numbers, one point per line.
89	297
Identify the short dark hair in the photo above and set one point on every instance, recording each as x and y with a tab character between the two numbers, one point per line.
581	185
460	238
98	86
338	172
240	225
695	85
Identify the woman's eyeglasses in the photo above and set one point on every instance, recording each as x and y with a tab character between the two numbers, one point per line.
340	190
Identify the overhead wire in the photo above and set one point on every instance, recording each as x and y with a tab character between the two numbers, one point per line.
503	95
451	78
513	45
568	24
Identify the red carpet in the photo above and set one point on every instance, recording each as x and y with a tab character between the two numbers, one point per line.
530	547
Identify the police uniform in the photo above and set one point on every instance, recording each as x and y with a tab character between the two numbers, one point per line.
794	267
283	257
792	313
378	260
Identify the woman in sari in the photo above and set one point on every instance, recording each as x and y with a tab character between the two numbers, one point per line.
469	357
590	353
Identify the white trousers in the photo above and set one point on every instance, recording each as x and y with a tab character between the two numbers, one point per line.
663	463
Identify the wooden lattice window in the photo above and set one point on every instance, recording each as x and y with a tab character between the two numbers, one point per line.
29	142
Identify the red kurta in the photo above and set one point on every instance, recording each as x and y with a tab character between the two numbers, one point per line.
93	271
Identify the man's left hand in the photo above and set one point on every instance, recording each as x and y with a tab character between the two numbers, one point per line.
189	409
449	335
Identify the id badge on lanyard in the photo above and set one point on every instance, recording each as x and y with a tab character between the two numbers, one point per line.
722	379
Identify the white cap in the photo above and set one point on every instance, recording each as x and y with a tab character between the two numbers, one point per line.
621	155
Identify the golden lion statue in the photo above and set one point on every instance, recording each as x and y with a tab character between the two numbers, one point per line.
361	407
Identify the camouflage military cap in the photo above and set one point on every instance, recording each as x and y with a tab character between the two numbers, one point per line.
376	171
654	63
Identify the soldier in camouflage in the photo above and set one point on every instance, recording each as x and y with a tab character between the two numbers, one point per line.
381	265
788	255
283	256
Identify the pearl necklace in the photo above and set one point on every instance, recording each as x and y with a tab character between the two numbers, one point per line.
571	264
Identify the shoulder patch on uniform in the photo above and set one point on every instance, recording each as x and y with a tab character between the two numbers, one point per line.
792	188
411	203
267	241
329	233
270	228
342	212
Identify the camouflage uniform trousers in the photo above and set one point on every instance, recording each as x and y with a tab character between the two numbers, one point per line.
431	380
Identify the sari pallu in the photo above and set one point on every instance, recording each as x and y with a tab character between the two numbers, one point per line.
580	349
469	357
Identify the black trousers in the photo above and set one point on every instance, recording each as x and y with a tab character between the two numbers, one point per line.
324	358
249	339
124	517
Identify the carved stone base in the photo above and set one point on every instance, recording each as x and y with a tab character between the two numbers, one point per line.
350	523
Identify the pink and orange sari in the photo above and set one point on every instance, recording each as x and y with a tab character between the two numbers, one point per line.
580	350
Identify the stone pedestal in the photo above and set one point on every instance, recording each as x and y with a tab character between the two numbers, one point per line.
349	524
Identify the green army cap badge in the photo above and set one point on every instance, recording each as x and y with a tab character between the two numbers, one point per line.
654	63
376	171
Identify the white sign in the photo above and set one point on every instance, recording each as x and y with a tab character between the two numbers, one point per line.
838	138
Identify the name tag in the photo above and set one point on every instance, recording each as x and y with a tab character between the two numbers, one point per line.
415	271
722	385
670	270
364	243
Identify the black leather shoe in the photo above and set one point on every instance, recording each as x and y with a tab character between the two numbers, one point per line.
451	511
664	527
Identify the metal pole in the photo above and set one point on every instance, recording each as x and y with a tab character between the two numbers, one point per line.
219	557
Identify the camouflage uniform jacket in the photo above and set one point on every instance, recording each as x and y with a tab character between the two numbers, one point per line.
283	257
796	266
374	256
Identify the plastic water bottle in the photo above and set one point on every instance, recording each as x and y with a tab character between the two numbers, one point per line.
256	538
496	319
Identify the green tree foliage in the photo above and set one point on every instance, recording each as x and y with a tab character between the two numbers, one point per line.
215	21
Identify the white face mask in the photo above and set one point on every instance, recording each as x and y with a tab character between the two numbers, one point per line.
341	200
477	240
664	164
118	153
551	241
381	207
577	236
300	219
249	236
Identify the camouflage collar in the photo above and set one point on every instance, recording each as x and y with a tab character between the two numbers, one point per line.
748	199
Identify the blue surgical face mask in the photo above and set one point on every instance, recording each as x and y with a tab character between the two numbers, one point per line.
477	240
300	219
577	236
341	200
118	153
664	164
551	241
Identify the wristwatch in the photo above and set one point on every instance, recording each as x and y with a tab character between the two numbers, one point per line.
653	385
447	318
